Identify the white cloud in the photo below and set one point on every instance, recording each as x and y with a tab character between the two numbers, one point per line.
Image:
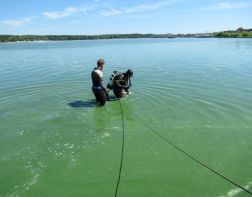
137	8
228	5
111	12
18	22
66	12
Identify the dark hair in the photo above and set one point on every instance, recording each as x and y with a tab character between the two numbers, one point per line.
100	62
129	73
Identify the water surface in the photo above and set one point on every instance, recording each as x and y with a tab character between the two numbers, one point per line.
195	92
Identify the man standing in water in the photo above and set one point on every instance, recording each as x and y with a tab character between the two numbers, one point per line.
98	89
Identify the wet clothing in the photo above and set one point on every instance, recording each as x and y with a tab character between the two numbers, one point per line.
98	89
97	76
121	84
100	96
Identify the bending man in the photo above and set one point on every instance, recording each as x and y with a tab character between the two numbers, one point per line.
120	83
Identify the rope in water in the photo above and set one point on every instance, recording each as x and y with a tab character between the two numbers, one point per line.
122	152
193	158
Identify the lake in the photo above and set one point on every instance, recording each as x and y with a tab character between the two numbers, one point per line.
197	93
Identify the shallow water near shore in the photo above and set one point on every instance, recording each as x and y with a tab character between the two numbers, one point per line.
54	141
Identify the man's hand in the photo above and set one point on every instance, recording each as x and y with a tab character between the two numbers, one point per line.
127	89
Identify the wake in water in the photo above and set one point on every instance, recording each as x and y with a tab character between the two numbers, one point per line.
236	191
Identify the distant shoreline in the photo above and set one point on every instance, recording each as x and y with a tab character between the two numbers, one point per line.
40	38
45	41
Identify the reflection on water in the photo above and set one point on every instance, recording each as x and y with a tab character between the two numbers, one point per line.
83	104
101	119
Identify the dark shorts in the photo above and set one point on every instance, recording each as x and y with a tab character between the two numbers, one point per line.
100	95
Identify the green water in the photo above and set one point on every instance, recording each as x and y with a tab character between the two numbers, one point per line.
195	92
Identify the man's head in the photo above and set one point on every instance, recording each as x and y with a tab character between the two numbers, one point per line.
100	64
129	73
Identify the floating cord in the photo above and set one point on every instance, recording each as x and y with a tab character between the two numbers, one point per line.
122	153
193	158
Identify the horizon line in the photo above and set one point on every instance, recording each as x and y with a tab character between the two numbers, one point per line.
117	33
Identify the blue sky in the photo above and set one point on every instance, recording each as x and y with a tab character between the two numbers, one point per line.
122	16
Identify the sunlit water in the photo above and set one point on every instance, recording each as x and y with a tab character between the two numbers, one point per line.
195	92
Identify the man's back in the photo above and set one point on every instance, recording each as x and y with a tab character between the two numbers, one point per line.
96	76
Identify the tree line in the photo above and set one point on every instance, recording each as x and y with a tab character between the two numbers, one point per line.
16	38
239	33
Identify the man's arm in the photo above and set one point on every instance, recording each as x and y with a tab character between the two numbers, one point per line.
124	87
